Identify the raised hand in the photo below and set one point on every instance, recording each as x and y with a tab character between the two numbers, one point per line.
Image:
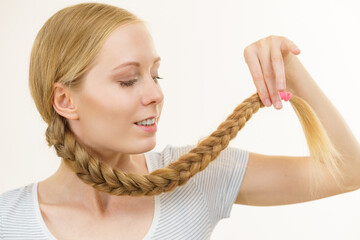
266	59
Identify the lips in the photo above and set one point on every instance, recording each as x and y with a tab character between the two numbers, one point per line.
147	118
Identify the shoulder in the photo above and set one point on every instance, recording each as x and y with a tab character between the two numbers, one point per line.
229	155
170	153
220	181
230	161
16	201
19	216
16	195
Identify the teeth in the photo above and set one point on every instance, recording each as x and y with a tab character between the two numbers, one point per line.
146	122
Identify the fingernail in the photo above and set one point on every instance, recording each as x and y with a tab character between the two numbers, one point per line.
267	102
278	104
281	85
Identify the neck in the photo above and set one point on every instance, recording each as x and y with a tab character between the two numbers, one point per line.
65	187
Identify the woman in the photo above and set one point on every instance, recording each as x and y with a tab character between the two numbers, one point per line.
82	82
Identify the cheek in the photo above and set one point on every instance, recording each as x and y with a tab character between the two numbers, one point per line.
160	108
106	116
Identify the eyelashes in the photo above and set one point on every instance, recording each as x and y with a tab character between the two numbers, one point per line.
128	84
131	82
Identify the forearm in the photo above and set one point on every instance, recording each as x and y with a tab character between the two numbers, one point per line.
301	83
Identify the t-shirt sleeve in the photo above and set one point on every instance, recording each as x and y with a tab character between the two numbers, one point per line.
221	180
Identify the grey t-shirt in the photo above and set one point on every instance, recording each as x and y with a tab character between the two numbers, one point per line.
189	212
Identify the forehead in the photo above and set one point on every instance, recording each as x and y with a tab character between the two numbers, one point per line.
128	42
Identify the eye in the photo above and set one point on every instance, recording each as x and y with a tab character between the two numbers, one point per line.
131	82
128	83
157	77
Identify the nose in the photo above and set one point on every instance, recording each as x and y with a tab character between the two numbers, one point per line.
152	92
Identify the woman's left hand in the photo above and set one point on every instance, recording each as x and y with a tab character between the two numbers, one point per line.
265	59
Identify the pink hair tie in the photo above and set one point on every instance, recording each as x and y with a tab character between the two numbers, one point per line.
285	96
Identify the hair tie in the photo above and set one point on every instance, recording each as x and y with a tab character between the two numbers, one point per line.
285	96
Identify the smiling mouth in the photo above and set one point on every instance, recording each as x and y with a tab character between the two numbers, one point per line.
147	122
149	118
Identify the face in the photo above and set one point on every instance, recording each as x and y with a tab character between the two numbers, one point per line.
113	95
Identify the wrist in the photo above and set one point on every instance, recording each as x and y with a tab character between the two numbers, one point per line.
289	60
291	65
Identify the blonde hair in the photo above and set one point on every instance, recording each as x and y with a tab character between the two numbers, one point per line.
65	48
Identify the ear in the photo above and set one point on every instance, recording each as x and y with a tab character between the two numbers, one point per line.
63	102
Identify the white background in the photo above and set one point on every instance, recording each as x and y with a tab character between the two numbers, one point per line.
201	44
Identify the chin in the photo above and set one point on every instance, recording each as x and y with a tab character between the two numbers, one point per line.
144	145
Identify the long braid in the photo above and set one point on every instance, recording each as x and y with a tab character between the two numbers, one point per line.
67	62
103	178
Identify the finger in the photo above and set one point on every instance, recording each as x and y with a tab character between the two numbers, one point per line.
253	63
269	76
278	65
288	45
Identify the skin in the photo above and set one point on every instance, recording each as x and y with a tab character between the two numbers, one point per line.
105	125
101	114
280	180
266	59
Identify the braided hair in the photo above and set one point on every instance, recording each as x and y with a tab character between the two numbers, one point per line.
64	50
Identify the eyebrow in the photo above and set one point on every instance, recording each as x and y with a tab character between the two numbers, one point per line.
134	63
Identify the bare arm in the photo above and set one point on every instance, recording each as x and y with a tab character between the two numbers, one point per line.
303	85
278	180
